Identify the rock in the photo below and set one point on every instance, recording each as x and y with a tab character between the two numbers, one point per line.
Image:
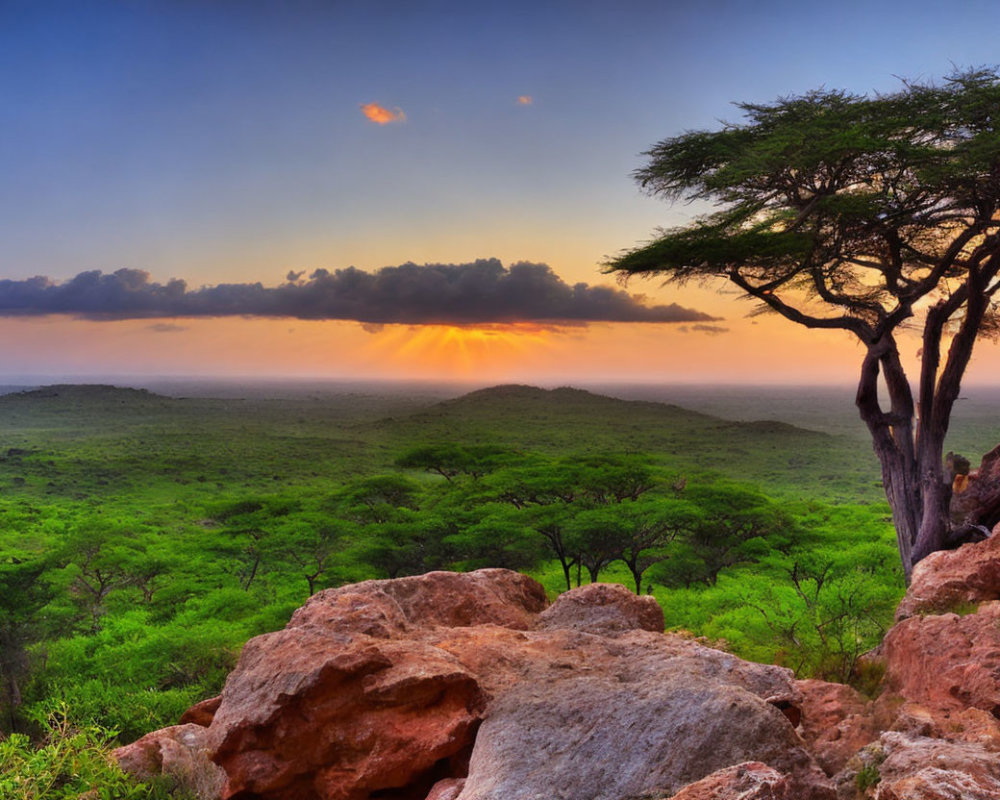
951	579
947	662
836	722
977	505
201	713
921	768
448	789
180	753
459	687
586	738
307	714
606	608
452	599
750	781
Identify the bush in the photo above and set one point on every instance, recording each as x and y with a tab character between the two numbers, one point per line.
70	764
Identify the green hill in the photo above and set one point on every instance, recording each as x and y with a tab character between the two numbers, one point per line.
782	458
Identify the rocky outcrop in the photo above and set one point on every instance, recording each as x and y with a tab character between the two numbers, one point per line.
947	662
906	767
941	703
471	687
466	687
952	580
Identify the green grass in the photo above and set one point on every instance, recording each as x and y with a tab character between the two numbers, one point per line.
209	510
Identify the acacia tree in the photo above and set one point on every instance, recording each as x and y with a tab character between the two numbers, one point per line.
868	214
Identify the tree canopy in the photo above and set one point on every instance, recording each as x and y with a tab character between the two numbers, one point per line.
869	214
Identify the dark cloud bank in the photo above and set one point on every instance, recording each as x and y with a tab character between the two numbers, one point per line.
458	294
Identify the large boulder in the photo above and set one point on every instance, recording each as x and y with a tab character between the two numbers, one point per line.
947	662
308	713
464	687
595	737
950	580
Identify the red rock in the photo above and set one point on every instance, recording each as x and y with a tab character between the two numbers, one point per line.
201	713
946	662
750	781
948	579
605	608
180	753
452	599
836	722
310	715
921	768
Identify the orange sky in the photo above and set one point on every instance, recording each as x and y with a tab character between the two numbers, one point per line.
748	350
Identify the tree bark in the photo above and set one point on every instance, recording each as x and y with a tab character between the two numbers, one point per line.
892	440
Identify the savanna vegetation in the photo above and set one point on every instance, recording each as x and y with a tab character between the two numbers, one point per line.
146	538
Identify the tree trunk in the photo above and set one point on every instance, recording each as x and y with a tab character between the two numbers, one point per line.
566	572
892	440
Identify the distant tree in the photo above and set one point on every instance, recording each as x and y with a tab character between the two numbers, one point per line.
730	528
615	479
409	544
450	460
539	483
248	538
550	522
99	557
861	214
312	543
649	529
553	492
376	498
498	538
596	536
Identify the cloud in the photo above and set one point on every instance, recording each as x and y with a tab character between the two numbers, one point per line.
381	115
525	100
165	327
711	330
480	292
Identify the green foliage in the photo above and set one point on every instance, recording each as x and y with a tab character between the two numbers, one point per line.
71	763
869	775
193	568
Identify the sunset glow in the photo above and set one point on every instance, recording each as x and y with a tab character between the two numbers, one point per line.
460	352
231	212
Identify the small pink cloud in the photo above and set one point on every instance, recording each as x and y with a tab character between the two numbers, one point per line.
525	100
381	115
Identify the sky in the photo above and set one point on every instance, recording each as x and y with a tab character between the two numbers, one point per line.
402	190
